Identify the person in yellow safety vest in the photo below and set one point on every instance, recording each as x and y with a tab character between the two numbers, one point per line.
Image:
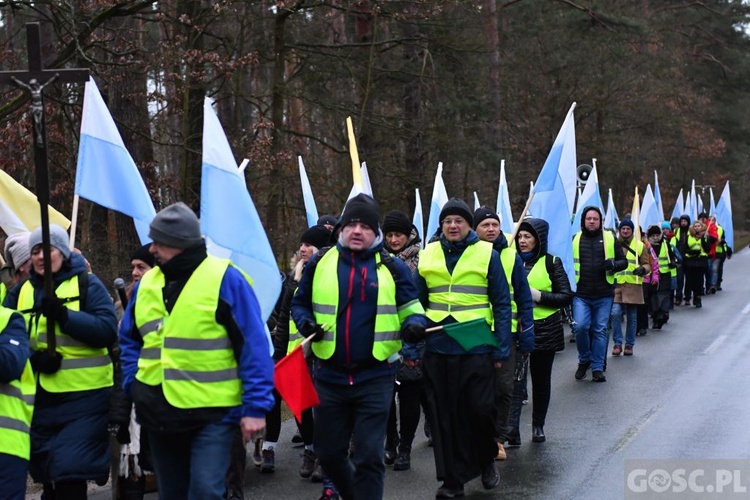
661	301
487	227
357	303
550	288
680	243
629	289
597	256
461	280
195	358
723	253
17	262
695	263
17	388
69	442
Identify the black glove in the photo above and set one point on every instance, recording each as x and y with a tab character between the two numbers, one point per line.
53	308
44	362
640	271
413	333
310	329
672	265
609	265
120	406
729	252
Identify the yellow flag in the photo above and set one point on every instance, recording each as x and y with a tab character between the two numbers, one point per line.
356	167
19	208
635	215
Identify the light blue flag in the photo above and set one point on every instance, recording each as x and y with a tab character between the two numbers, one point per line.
311	210
503	203
693	203
229	219
476	202
657	197
418	219
712	206
439	198
554	194
367	189
649	212
591	196
724	216
611	217
679	206
106	173
700	204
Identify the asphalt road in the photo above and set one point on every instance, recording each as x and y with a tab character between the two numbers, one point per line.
683	395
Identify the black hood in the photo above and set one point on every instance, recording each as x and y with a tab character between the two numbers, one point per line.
687	218
588	209
540	229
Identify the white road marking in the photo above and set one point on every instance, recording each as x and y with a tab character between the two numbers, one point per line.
716	343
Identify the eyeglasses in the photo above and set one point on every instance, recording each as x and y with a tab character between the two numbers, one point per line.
450	222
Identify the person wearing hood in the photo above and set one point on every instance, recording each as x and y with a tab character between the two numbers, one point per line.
680	242
660	297
195	358
356	312
487	227
551	292
597	257
461	281
629	289
402	240
69	439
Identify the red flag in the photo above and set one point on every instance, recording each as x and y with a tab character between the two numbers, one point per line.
294	383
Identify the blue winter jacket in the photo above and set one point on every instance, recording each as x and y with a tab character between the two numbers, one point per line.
255	363
352	361
524	337
499	296
14	349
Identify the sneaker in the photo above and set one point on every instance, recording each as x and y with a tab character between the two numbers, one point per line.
329	494
617	350
598	376
581	371
490	477
318	475
447	491
257	457
628	350
269	461
389	457
501	455
308	464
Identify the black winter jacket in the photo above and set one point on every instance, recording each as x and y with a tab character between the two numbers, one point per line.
548	333
592	283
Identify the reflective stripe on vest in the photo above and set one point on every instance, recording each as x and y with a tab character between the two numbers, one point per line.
187	351
508	261
83	367
627	275
463	294
609	253
539	278
325	298
16	406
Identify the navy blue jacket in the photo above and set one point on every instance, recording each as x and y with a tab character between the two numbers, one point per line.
499	296
14	349
352	360
255	363
524	337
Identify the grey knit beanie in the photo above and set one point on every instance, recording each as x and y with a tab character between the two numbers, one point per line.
17	250
58	238
176	226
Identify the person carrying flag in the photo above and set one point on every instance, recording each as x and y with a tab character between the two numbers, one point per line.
461	281
195	358
356	302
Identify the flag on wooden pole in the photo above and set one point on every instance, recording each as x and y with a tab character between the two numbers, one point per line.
294	383
679	206
610	218
724	216
19	208
470	334
439	198
503	203
356	166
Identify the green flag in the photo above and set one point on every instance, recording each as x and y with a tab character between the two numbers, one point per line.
470	334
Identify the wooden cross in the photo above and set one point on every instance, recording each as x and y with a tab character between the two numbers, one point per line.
31	80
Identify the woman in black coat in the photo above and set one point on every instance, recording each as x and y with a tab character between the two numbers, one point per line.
551	291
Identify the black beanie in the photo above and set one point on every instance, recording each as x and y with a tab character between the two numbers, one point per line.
317	236
627	223
397	222
143	254
361	208
455	206
482	213
653	230
327	220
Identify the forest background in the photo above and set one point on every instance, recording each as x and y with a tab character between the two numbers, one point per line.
660	85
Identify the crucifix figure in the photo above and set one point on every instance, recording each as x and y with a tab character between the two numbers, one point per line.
30	80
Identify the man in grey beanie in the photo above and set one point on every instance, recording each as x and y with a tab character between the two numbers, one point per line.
187	361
